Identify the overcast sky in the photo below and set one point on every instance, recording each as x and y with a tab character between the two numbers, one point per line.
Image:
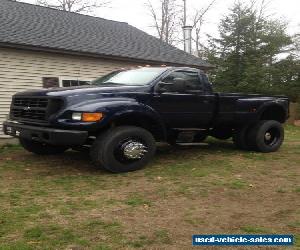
135	13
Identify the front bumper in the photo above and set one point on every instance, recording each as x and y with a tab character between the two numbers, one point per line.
46	135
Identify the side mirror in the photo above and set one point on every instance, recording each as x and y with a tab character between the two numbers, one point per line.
179	85
178	80
164	86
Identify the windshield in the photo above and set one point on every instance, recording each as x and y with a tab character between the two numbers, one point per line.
141	76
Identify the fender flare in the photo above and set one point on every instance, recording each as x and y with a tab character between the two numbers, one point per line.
271	104
145	112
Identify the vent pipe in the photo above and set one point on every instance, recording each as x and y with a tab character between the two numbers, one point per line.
187	37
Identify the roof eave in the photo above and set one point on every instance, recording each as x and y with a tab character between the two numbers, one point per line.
95	55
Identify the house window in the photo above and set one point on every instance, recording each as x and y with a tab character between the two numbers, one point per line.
72	83
50	82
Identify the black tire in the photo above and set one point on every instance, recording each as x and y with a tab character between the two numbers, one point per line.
109	149
240	138
266	136
40	148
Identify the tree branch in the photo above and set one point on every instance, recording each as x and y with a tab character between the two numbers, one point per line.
77	6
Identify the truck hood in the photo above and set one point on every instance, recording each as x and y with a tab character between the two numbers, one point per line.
83	90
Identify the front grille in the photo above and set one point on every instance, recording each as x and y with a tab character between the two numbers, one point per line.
30	102
29	114
34	109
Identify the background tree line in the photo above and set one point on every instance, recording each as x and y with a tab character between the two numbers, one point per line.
253	53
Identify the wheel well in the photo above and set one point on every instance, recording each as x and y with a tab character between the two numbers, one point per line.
276	113
153	126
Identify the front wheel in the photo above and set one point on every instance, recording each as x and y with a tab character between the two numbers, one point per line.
123	149
40	148
266	136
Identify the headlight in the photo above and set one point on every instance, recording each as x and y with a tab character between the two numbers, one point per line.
87	117
76	116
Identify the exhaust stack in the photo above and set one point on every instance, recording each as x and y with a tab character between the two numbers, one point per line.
187	37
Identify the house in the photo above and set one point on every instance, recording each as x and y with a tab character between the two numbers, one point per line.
44	47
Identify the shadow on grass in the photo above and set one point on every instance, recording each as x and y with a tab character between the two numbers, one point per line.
210	147
73	162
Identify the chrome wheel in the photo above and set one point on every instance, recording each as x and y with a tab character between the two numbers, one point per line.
268	136
130	150
134	150
271	136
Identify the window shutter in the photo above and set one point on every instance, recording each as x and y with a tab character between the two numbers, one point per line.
50	82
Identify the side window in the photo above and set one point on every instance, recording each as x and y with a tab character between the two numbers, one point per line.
170	78
191	81
204	80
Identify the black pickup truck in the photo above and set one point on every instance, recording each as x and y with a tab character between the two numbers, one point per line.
121	116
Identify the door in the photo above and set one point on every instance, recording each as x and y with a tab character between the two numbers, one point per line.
188	106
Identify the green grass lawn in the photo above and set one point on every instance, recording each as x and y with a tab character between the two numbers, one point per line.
62	202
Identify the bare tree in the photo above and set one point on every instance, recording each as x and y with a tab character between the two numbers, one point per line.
197	23
77	6
165	19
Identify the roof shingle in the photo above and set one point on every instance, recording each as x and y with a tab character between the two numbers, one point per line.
31	25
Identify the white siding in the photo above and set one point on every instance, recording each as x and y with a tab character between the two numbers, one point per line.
23	70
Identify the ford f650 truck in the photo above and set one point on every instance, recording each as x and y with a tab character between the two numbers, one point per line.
120	117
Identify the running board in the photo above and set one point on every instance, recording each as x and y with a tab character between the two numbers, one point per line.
192	144
190	129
